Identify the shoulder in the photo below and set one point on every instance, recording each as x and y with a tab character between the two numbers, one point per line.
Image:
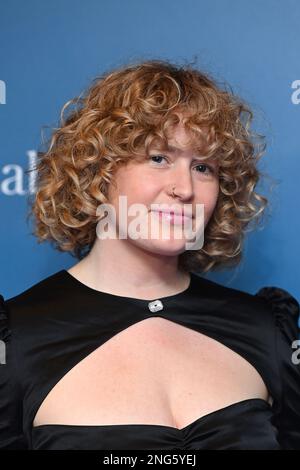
261	300
11	430
4	328
285	309
272	302
38	298
37	291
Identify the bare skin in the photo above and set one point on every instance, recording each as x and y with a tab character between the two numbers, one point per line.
154	372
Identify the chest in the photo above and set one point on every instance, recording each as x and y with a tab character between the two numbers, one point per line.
156	372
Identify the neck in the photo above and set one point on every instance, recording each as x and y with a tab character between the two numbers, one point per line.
122	268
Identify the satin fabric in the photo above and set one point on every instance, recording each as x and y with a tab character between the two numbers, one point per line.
56	323
243	425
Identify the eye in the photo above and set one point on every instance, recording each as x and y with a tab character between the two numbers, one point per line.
157	157
157	160
210	169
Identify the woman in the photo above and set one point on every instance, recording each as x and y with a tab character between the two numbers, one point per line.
129	349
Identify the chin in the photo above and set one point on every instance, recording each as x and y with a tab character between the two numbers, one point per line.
166	247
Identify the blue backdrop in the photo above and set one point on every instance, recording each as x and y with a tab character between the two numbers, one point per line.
51	50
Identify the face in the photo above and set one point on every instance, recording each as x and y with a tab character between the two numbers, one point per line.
150	183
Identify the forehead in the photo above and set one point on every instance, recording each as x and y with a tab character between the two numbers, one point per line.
181	140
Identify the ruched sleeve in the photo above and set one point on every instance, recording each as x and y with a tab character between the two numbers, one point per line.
286	315
11	428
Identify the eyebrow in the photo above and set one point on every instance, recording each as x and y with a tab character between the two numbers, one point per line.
174	149
170	148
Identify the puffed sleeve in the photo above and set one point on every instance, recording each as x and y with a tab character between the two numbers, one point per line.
286	315
11	432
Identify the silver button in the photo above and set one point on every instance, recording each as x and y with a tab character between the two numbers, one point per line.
155	306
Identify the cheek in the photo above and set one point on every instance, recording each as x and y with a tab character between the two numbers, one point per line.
122	186
209	199
134	187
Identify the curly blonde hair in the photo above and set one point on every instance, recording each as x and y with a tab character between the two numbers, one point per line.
122	112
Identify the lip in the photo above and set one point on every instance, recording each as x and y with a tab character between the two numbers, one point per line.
174	212
174	217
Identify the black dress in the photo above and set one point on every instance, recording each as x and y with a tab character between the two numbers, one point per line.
53	325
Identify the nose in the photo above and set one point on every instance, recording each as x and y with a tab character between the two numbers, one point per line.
182	182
